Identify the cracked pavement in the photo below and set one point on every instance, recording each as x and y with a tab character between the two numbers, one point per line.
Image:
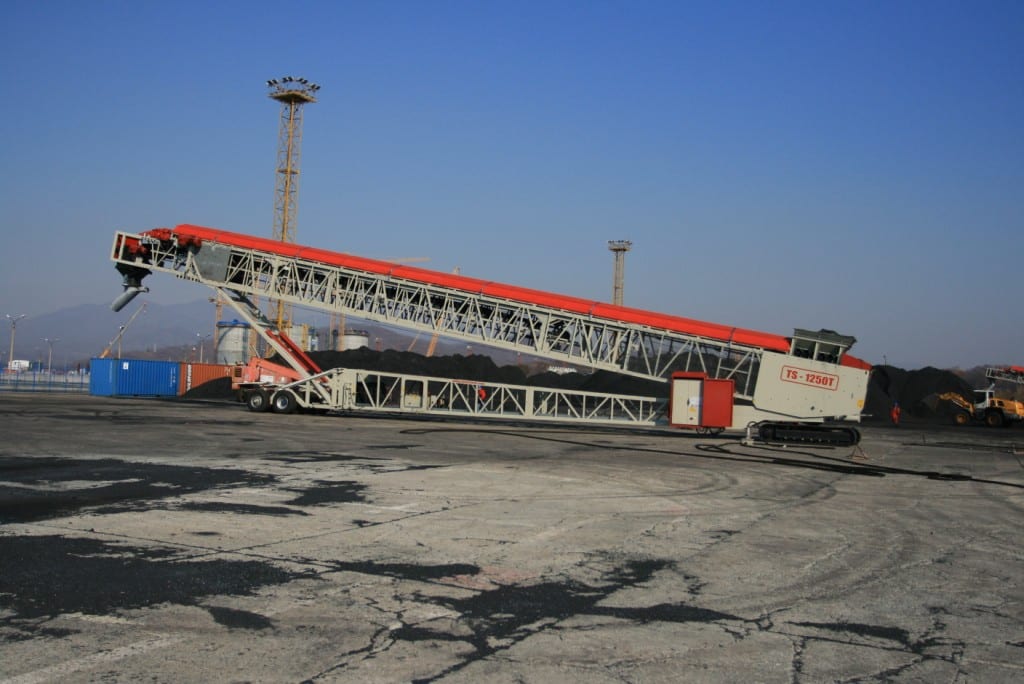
181	542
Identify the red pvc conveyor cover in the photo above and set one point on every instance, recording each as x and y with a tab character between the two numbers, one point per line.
197	234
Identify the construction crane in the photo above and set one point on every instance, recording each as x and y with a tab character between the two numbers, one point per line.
120	333
432	346
218	308
795	388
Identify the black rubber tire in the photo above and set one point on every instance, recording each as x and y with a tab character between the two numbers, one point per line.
994	418
284	402
962	418
258	401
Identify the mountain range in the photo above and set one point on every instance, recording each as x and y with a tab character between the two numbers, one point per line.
171	331
83	332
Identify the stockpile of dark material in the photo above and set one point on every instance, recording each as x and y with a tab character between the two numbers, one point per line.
916	391
483	369
455	367
214	389
478	368
600	381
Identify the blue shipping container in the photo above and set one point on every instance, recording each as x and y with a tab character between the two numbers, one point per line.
133	378
101	377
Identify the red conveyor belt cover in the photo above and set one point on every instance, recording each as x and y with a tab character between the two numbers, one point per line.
584	307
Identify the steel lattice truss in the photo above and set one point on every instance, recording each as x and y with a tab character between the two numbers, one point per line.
347	389
551	333
1007	374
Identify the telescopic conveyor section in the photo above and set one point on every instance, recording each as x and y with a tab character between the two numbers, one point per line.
558	327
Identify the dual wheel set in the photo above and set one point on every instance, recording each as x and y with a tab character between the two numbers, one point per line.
992	418
278	401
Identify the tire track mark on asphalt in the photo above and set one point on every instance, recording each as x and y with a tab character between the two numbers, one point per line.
62	670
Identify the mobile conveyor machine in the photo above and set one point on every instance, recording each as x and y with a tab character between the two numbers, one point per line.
803	388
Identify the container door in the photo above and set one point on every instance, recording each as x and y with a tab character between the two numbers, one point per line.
686	401
699	401
717	403
143	378
101	377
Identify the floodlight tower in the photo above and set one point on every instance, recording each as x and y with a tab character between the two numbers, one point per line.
49	359
292	93
619	248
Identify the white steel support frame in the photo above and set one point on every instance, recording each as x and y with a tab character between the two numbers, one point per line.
243	272
346	389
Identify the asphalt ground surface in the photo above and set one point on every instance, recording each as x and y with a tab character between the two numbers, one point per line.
156	541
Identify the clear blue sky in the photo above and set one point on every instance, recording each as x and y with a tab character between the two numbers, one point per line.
857	166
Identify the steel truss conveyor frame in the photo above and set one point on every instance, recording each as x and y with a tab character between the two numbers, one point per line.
566	329
355	390
347	389
1014	374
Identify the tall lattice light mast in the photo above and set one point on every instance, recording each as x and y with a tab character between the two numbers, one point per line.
619	247
292	93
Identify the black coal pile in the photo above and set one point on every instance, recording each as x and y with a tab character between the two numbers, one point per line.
214	389
561	381
455	367
614	383
483	369
916	391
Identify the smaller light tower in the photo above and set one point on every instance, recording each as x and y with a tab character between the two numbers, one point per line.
619	248
202	343
49	359
14	324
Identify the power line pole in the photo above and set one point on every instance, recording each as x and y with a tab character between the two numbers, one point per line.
49	358
14	324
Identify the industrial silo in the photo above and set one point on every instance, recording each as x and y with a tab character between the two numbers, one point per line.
232	342
305	336
355	339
